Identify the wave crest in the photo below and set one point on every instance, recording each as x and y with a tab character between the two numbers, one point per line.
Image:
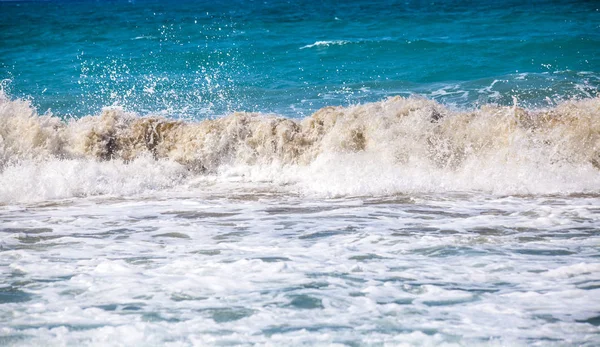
326	44
396	145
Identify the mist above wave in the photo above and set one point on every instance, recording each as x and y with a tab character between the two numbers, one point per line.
393	146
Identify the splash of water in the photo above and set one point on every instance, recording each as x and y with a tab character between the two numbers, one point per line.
396	145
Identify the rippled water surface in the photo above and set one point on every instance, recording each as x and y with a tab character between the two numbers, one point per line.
195	59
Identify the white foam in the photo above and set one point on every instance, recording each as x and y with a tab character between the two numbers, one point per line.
326	43
399	145
192	268
58	179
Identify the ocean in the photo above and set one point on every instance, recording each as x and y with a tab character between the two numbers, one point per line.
285	173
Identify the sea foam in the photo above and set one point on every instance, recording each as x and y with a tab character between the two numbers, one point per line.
393	146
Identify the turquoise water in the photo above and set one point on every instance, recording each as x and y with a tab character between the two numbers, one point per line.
203	58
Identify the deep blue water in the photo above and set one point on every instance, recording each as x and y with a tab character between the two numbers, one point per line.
206	58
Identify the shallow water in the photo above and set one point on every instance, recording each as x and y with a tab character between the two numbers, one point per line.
206	268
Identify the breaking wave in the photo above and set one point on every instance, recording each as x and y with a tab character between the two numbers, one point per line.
398	145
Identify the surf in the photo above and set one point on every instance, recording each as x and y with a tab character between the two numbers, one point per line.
392	146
